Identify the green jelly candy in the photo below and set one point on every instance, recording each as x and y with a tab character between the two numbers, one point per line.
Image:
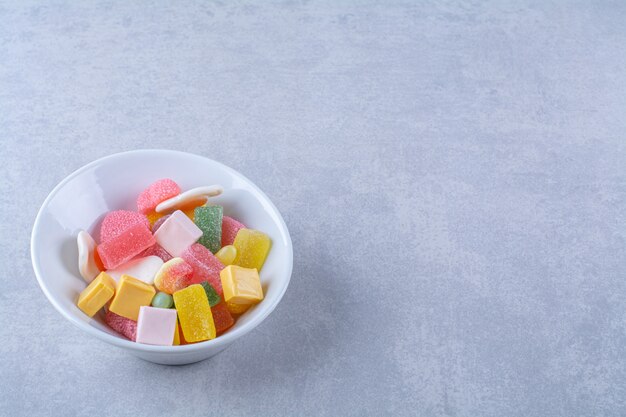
214	298
209	220
162	300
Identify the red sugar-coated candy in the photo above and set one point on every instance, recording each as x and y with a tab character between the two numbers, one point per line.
173	276
222	317
122	325
206	267
159	222
125	246
116	222
156	250
157	192
230	227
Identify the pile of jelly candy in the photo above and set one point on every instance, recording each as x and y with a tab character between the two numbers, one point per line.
174	272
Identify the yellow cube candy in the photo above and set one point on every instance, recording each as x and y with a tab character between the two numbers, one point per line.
252	248
97	294
194	314
131	295
241	285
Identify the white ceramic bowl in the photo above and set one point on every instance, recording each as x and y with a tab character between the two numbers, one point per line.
113	183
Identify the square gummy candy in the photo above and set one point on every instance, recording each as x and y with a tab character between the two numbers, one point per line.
125	246
230	227
209	220
211	294
122	325
252	248
221	317
206	267
194	314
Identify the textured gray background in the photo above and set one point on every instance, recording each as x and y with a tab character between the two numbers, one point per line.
453	175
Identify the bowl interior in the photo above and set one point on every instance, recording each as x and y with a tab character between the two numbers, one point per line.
113	183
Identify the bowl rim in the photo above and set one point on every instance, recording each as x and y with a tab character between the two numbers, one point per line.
221	341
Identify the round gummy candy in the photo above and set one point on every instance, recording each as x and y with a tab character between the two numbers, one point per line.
157	192
116	222
162	300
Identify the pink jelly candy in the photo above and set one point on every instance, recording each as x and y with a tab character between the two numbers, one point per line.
174	275
206	267
116	222
230	227
125	246
157	192
156	250
122	325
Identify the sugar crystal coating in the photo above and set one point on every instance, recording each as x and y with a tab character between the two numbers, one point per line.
122	325
117	222
194	314
209	220
252	248
125	246
174	275
206	267
156	250
230	228
157	192
211	294
221	317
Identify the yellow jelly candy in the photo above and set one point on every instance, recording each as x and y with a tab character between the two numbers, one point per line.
252	248
227	255
97	294
190	212
131	295
241	285
194	314
153	216
237	308
176	336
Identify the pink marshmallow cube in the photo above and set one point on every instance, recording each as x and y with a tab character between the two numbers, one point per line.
177	233
206	266
230	227
156	326
125	246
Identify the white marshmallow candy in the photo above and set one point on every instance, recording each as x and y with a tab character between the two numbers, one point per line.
143	269
86	261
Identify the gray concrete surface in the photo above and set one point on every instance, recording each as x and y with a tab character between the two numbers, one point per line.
453	175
